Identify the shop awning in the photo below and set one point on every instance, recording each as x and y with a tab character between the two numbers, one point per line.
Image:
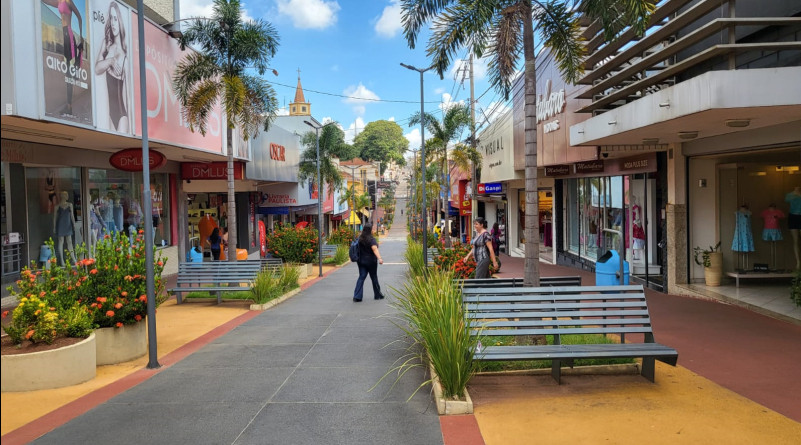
352	219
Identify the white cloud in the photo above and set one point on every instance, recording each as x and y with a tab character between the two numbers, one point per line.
389	24
439	91
479	69
358	97
414	139
447	102
353	128
205	8
310	14
391	119
282	111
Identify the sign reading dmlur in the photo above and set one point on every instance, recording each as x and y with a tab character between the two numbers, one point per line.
165	119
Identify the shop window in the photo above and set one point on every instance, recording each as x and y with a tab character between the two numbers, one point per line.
115	199
54	210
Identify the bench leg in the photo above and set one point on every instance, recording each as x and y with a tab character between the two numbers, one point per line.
178	297
556	371
648	368
219	297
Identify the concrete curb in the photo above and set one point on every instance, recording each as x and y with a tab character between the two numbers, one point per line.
277	301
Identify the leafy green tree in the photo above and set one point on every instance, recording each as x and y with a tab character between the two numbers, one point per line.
499	29
382	141
228	47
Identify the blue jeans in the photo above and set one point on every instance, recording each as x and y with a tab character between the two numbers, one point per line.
364	269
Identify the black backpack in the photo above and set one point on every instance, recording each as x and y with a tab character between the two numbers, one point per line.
354	251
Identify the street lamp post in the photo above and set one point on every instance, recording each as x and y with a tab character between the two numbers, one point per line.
317	128
422	156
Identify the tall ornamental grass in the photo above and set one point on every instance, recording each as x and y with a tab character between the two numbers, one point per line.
432	314
414	257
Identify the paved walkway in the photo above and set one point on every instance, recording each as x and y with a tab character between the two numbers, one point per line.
300	373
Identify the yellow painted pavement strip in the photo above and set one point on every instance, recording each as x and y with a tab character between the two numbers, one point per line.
175	327
681	408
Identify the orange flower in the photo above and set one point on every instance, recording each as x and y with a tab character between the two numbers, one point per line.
29	334
109	313
138	317
118	305
119	324
52	309
5	314
93	271
116	267
143	298
124	294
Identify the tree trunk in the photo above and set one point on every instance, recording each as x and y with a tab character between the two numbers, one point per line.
531	276
231	221
446	231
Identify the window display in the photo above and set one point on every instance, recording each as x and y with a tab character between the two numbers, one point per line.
54	210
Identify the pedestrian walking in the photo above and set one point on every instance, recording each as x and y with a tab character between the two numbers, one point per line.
482	249
369	259
495	233
214	241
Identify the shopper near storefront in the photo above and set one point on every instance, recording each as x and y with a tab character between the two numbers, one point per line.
482	249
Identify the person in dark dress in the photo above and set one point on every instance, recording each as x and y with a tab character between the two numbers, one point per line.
214	241
369	259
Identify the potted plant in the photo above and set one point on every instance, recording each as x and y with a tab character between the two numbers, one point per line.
712	260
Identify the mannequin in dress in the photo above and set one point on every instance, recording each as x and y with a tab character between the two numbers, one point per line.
771	231
637	232
743	240
116	212
95	225
63	226
794	222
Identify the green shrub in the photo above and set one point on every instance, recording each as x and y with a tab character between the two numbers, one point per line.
795	289
343	235
414	257
293	244
264	288
288	278
341	256
433	316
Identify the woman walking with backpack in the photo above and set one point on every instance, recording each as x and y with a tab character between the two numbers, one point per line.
368	261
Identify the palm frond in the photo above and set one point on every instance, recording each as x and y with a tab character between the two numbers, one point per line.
415	13
504	55
457	26
559	27
200	104
194	69
617	15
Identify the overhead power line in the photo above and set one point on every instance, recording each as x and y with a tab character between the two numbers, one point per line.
353	97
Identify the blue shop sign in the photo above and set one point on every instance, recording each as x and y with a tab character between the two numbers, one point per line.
273	210
490	187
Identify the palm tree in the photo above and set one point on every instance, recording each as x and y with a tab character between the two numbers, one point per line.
498	29
331	137
217	74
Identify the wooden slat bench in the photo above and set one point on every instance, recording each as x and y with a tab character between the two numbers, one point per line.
488	283
271	264
329	250
215	277
557	311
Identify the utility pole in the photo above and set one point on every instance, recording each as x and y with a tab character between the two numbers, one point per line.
473	179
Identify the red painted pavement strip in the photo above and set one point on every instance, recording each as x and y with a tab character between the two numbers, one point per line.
64	414
460	430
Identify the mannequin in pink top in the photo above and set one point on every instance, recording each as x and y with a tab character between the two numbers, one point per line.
771	216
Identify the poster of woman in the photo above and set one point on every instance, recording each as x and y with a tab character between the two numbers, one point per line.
67	83
112	66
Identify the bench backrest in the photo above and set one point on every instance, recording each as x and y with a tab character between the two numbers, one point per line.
518	282
558	311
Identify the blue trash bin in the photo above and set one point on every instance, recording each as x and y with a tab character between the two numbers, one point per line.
607	270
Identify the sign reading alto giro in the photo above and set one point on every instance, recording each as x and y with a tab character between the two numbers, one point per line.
130	160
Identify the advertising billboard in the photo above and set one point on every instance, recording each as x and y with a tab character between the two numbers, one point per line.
112	66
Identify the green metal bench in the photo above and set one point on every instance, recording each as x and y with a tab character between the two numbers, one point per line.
517	282
558	311
329	250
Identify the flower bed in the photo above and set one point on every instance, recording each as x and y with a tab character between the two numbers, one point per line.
293	244
452	260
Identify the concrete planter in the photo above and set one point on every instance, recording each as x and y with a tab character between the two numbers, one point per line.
118	345
277	301
309	269
448	407
303	271
56	368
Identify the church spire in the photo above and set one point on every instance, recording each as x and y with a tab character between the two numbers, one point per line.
299	107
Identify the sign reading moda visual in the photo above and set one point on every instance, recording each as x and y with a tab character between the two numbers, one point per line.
490	187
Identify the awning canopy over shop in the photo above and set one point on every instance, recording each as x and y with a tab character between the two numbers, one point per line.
352	218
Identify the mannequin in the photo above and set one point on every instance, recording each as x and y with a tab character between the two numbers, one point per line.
116	212
743	240
637	232
106	209
95	225
63	226
771	231
794	222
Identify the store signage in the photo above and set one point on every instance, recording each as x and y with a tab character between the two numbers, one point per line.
635	164
130	160
277	152
274	210
277	198
210	170
384	184
557	170
490	187
550	106
589	167
551	126
464	201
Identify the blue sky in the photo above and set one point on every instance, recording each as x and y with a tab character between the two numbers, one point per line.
354	49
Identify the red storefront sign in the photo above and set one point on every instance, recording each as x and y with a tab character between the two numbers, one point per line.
277	152
130	160
465	205
211	170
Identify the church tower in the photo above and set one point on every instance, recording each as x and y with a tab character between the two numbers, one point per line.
299	107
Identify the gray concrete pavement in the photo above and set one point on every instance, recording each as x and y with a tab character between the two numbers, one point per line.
300	373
